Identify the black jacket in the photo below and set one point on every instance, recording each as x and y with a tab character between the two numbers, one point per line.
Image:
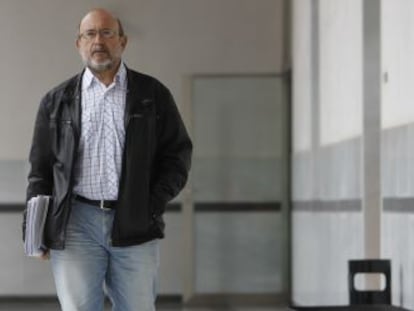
156	158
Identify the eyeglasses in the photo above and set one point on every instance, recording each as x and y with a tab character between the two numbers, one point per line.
91	34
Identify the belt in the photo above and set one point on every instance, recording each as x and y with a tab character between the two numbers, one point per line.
102	204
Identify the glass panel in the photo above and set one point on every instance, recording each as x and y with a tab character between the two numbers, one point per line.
240	138
240	127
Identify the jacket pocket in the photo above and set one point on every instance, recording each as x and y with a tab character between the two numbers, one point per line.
61	133
156	220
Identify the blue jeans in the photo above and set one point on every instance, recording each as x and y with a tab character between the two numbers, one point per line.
89	266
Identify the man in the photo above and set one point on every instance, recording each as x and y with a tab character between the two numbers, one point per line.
110	147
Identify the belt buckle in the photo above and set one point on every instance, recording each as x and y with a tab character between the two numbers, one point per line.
102	206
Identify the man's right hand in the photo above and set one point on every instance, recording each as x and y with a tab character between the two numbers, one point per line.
45	255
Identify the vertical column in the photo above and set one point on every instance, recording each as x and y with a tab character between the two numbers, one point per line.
371	173
315	101
188	231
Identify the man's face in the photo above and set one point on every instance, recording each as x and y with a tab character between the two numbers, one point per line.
99	43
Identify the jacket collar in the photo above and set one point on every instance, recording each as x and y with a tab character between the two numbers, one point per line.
140	95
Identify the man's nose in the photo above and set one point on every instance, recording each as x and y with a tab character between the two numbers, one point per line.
98	37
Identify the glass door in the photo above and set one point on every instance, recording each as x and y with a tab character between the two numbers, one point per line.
238	217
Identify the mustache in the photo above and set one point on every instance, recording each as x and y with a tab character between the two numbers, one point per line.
100	49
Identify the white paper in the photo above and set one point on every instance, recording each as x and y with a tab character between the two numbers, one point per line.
36	213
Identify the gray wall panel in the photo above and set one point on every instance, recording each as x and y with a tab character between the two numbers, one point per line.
13	181
241	253
397	244
322	243
240	180
328	173
398	161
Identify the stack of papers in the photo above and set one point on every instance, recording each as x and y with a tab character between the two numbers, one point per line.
35	222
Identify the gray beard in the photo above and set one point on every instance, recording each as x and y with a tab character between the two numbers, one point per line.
99	67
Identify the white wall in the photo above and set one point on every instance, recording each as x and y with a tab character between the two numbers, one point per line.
327	223
397	62
168	39
397	144
340	52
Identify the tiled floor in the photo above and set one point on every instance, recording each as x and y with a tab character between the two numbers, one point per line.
36	305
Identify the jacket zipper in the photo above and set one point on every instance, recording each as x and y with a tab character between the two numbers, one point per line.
74	158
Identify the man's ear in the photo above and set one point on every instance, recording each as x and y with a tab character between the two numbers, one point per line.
124	41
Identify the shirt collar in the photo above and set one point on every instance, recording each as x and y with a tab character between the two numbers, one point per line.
119	79
121	76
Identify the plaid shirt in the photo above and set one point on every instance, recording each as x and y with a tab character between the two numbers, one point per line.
98	168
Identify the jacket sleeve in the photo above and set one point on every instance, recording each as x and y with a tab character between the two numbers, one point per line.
40	178
173	153
41	157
